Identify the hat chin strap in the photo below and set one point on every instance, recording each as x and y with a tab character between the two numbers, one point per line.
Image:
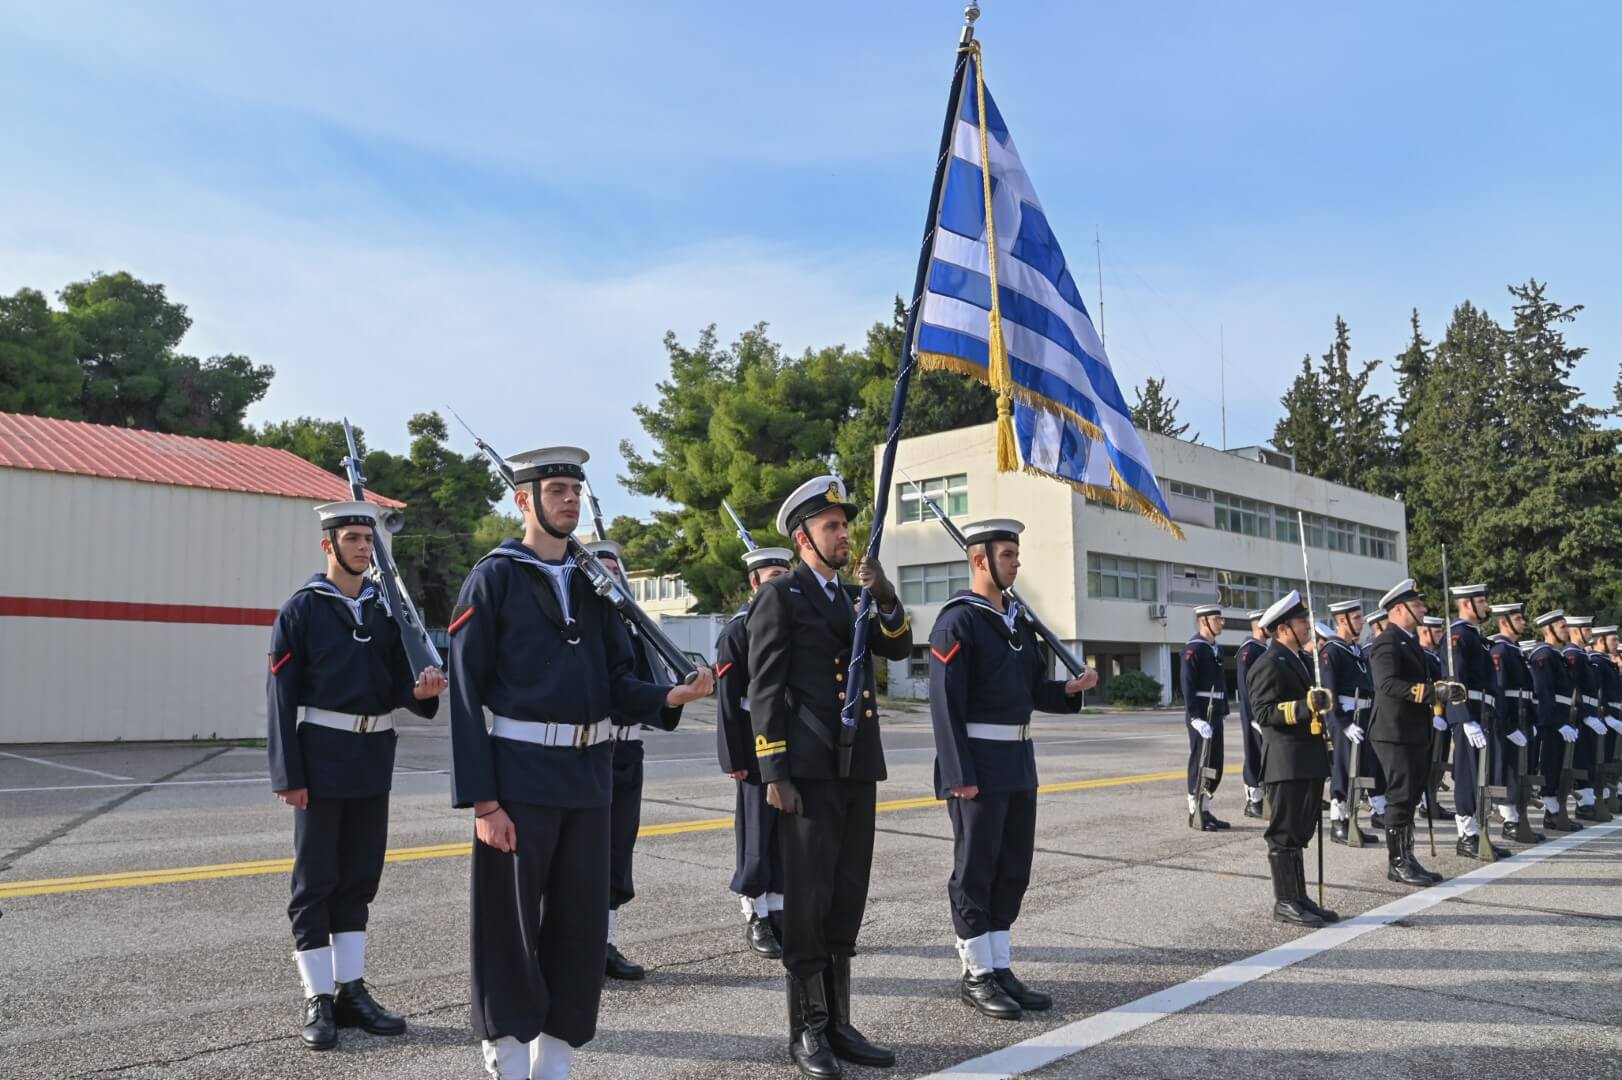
338	556
801	525
540	515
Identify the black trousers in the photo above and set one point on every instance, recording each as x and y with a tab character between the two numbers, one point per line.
993	845
540	935
827	852
1345	754
1253	755
1215	762
1552	760
758	868
338	847
626	820
1406	767
1296	813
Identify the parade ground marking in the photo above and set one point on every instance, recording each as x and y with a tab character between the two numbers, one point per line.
1051	1046
133	878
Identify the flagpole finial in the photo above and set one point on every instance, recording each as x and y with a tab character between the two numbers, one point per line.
970	13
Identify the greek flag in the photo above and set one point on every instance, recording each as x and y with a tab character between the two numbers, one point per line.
1068	419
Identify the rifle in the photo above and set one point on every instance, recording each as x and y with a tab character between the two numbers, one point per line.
1433	779
604	583
743	532
419	650
598	532
1523	790
1484	789
1069	659
1318	677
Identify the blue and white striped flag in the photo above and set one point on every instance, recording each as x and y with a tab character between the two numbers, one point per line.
1069	419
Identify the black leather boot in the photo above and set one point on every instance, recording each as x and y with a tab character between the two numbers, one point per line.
354	1006
1028	999
617	967
808	1028
1400	866
320	1030
1560	821
1408	853
848	1043
1212	822
1377	821
1521	832
1470	848
1302	895
986	995
1287	907
761	939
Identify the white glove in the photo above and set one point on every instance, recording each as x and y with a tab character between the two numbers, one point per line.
1595	724
1439	723
1473	732
1355	733
1614	724
1517	738
1202	727
1568	733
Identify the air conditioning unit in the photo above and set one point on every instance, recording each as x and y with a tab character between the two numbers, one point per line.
1157	611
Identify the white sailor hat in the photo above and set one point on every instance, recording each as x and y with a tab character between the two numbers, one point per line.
1324	630
1467	592
1345	607
338	514
1599	630
1507	609
1401	591
1549	618
1378	615
984	532
1434	622
1287	607
1256	616
812	498
547	462
1207	609
608	548
760	558
1581	622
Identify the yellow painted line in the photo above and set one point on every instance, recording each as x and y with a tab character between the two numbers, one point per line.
132	878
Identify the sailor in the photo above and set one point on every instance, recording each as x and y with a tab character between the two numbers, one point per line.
801	628
1471	722
1610	676
1375	621
1554	696
1512	684
1295	758
547	658
1205	703
1249	651
1346	677
625	816
1586	684
338	670
757	876
987	673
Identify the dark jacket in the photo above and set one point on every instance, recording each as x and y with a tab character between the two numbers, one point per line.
1404	689
1276	685
734	735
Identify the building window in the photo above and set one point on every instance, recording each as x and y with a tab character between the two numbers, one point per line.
932	583
1285	525
1243	591
918	663
1188	491
951	493
1377	543
1315	530
1110	577
1340	535
1244	516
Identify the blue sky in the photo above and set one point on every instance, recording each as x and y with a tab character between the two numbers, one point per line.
505	206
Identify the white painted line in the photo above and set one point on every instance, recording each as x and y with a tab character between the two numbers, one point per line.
1062	1042
193	783
59	765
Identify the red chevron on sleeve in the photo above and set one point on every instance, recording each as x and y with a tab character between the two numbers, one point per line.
460	619
724	668
277	665
947	659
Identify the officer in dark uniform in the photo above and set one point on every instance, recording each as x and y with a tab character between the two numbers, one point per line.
547	658
1512	685
757	875
1586	681
800	629
1346	677
625	815
1554	695
1295	758
987	673
337	670
1249	651
1405	692
1610	676
1472	722
1205	703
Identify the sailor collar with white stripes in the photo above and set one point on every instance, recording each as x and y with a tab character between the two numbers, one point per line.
1349	646
355	606
558	573
1009	615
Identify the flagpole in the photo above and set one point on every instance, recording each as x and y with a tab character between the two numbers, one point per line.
856	693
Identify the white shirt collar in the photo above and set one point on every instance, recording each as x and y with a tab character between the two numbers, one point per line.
826	581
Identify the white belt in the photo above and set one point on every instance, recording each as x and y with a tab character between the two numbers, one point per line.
743	703
627	732
1214	695
1563	699
1348	704
1594	701
999	732
541	734
1518	693
345	721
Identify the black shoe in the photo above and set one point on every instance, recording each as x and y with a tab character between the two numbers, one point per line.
1377	821
1560	822
320	1031
1254	809
1521	833
1406	844
1212	822
1302	896
1398	866
618	967
1028	999
808	1029
354	1006
761	939
843	1038
1198	823
1338	831
1588	813
1287	907
986	995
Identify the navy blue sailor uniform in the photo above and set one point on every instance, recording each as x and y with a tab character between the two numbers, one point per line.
1472	666
1351	686
1512	685
1249	652
1585	693
1608	683
757	871
539	662
337	670
626	810
1205	697
1552	696
986	676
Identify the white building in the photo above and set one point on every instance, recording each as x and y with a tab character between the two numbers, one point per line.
1116	586
141	575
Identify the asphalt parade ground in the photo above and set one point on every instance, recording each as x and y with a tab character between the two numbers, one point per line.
144	931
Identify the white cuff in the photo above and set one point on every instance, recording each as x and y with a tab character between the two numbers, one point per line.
315	970
349	956
976	954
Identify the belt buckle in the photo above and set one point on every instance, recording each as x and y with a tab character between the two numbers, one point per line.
1025	732
362	724
582	735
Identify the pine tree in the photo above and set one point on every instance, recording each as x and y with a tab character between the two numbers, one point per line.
1301	431
1333	424
1154	411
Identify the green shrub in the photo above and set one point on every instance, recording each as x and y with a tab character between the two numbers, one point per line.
1134	688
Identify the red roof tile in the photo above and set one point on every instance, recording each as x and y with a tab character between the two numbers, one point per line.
68	446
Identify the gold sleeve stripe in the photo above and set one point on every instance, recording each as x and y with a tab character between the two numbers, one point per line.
906	623
1419	693
1288	708
764	747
